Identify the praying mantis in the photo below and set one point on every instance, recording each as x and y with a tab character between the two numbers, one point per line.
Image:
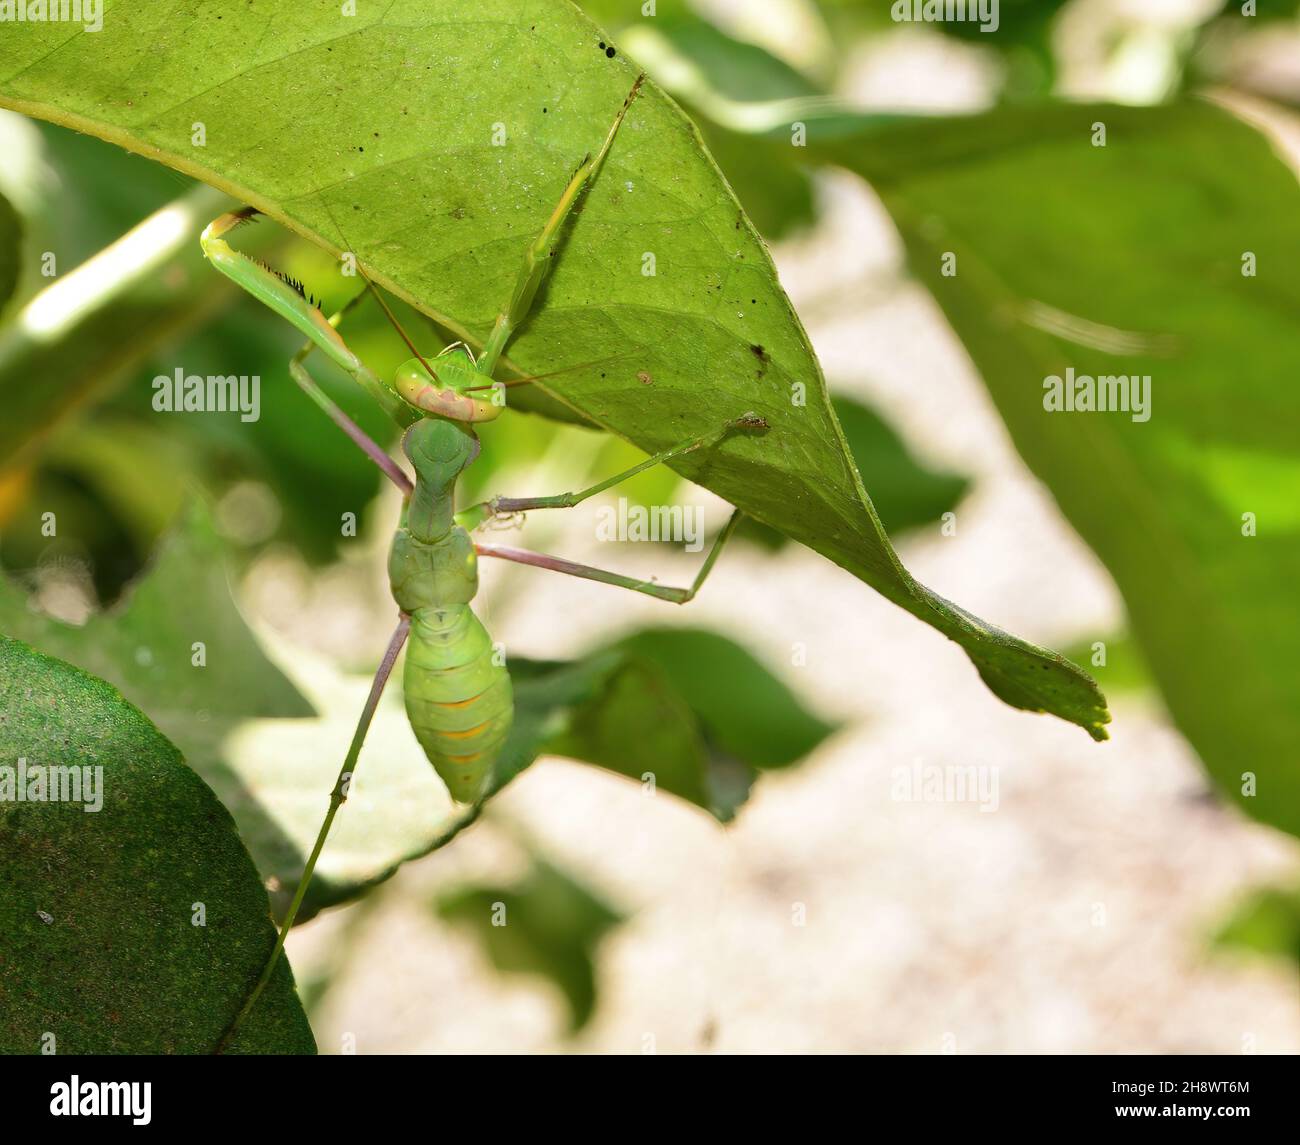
457	690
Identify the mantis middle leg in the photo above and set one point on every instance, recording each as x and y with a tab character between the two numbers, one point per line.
669	593
476	515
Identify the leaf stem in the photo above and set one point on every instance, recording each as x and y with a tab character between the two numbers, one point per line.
338	797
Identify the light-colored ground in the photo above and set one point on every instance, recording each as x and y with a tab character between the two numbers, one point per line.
1074	917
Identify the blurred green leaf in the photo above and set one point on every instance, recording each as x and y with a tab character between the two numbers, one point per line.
114	314
1127	260
10	251
628	715
1125	668
147	646
101	949
1267	922
747	713
550	925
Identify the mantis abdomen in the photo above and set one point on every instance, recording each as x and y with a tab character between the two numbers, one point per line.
458	696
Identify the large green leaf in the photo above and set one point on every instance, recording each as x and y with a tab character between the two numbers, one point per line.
135	926
1127	259
373	133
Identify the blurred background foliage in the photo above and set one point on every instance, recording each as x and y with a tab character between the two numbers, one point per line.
85	444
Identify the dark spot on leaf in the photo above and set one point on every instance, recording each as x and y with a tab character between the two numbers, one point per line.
609	52
763	357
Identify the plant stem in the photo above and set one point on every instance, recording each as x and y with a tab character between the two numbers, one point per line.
338	797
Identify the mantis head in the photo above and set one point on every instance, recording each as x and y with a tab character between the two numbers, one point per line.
449	386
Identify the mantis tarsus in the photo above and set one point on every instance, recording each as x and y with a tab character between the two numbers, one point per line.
458	693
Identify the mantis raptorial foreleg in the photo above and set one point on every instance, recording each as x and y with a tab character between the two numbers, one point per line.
287	298
618	580
537	259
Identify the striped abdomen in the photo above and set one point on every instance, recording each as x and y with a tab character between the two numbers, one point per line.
459	702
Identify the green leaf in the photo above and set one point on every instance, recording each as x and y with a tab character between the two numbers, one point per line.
626	714
906	493
97	907
549	924
176	646
747	713
1266	922
1128	260
720	80
146	648
1125	669
404	174
121	311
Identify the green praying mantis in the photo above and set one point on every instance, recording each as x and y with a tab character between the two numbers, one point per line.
457	690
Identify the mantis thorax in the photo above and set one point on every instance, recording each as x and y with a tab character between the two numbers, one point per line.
432	561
